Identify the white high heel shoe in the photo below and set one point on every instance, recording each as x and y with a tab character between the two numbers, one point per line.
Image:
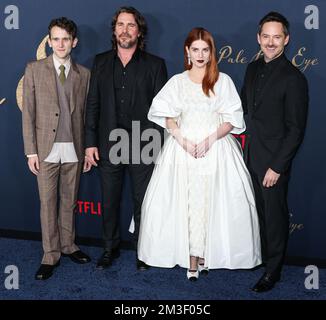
192	275
202	270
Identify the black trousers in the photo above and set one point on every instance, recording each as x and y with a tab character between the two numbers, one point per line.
112	177
273	217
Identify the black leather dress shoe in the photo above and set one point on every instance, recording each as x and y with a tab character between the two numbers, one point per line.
141	266
266	282
78	257
107	258
45	271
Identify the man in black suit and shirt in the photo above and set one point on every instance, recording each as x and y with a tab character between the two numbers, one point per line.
275	98
123	84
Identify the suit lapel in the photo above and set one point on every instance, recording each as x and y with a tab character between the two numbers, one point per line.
251	86
75	84
51	81
108	75
140	74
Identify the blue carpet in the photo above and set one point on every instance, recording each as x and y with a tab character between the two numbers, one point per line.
122	281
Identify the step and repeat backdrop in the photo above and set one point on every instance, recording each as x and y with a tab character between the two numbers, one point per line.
23	31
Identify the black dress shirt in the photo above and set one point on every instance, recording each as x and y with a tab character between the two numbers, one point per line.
124	81
264	71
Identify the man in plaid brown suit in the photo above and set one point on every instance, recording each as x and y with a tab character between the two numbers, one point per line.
54	95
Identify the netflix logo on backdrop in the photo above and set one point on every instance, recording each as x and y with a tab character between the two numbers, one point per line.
88	208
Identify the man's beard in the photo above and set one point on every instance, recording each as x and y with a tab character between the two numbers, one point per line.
126	44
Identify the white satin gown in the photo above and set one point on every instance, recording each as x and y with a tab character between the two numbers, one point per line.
203	207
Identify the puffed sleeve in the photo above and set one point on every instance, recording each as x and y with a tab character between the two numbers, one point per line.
165	103
230	108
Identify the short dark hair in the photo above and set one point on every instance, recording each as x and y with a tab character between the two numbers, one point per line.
275	17
65	24
140	20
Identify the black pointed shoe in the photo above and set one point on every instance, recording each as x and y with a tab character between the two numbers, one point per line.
45	271
107	258
78	257
141	266
266	282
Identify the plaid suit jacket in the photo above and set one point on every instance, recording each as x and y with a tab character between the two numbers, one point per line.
41	107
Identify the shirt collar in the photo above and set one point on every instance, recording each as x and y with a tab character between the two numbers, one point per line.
57	64
135	55
272	64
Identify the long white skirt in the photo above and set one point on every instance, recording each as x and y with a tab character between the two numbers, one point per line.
232	238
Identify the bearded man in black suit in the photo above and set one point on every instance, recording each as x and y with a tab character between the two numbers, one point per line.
123	84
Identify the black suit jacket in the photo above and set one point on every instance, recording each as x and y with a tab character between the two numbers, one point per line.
101	110
276	117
